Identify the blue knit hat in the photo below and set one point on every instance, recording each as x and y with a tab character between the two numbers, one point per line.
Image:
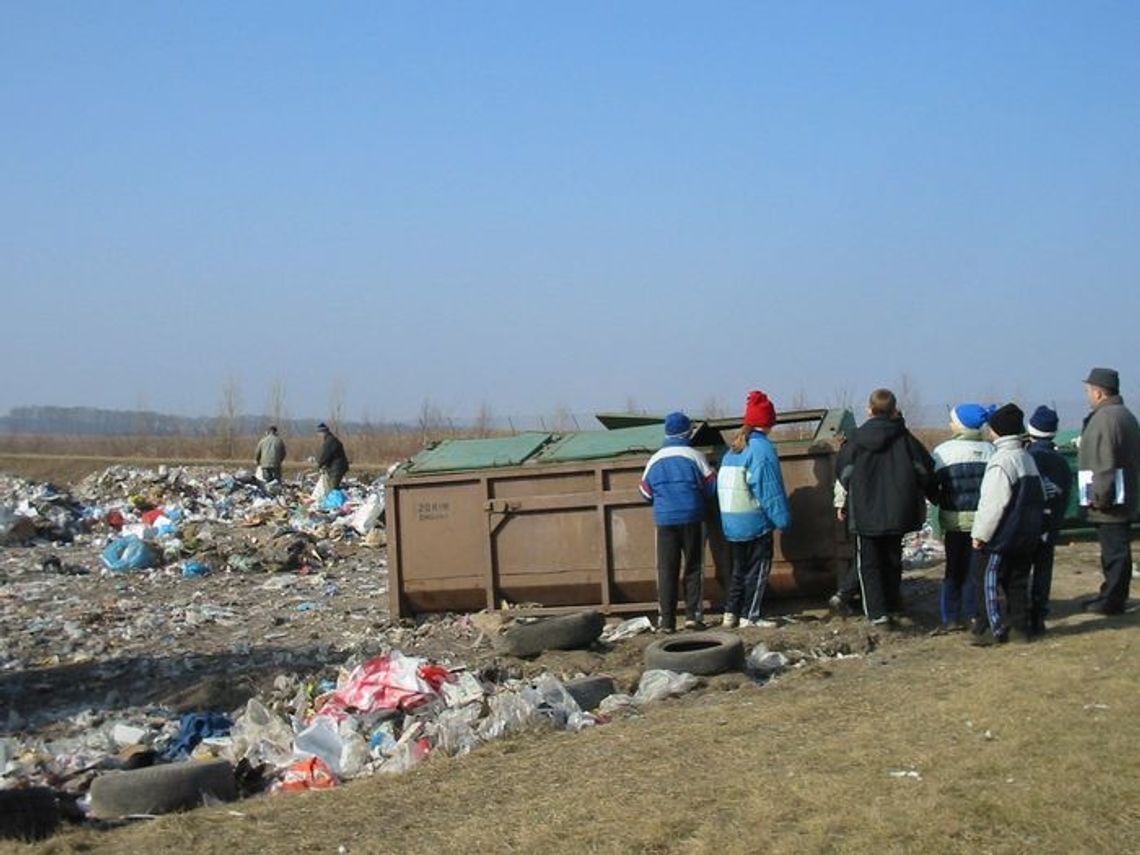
972	416
1043	423
677	425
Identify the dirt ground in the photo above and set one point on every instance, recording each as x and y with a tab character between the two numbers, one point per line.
908	742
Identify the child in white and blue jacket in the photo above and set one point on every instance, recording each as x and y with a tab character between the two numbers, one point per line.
1007	529
959	466
680	483
753	504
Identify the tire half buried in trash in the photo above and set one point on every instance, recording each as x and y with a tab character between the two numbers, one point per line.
30	814
703	653
561	632
162	789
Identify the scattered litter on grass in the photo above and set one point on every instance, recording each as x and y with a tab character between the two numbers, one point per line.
911	774
763	663
627	629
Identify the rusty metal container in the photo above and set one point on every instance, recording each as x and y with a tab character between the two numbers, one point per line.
557	520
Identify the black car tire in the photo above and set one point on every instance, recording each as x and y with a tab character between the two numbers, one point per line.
161	789
703	653
29	814
562	632
590	691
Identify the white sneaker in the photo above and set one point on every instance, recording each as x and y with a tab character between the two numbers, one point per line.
760	623
729	621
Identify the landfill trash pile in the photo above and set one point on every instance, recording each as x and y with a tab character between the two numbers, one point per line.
153	619
923	548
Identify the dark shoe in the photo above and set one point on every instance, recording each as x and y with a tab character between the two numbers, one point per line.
1091	603
987	640
1020	636
1100	608
840	606
695	624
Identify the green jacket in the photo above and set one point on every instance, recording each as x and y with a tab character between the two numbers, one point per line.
270	451
1110	440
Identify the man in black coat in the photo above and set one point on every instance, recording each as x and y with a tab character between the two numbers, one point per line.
332	461
887	474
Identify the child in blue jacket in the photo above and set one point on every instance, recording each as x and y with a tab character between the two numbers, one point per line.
679	482
753	504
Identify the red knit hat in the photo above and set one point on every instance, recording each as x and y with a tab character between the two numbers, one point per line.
758	411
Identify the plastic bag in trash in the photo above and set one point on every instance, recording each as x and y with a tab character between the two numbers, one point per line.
453	731
391	681
763	662
333	500
321	489
617	704
195	568
409	752
627	629
368	514
321	739
261	737
658	684
383	740
309	773
559	705
511	712
128	553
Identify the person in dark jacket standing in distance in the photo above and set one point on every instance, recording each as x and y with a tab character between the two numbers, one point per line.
332	461
1108	462
1058	483
1007	530
886	473
680	483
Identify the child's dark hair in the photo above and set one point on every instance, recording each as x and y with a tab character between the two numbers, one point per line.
883	403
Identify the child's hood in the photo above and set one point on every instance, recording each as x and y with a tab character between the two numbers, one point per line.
877	433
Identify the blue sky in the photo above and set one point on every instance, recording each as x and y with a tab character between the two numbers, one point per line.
565	206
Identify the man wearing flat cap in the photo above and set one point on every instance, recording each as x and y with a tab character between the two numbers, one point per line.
1108	463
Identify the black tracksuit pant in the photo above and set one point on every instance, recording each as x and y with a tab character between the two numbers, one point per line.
1003	574
880	574
674	544
1041	582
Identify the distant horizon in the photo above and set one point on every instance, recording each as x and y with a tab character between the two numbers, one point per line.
932	416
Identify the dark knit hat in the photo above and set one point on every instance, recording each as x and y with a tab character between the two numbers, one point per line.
1008	421
322	428
1106	378
677	424
759	411
1043	423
